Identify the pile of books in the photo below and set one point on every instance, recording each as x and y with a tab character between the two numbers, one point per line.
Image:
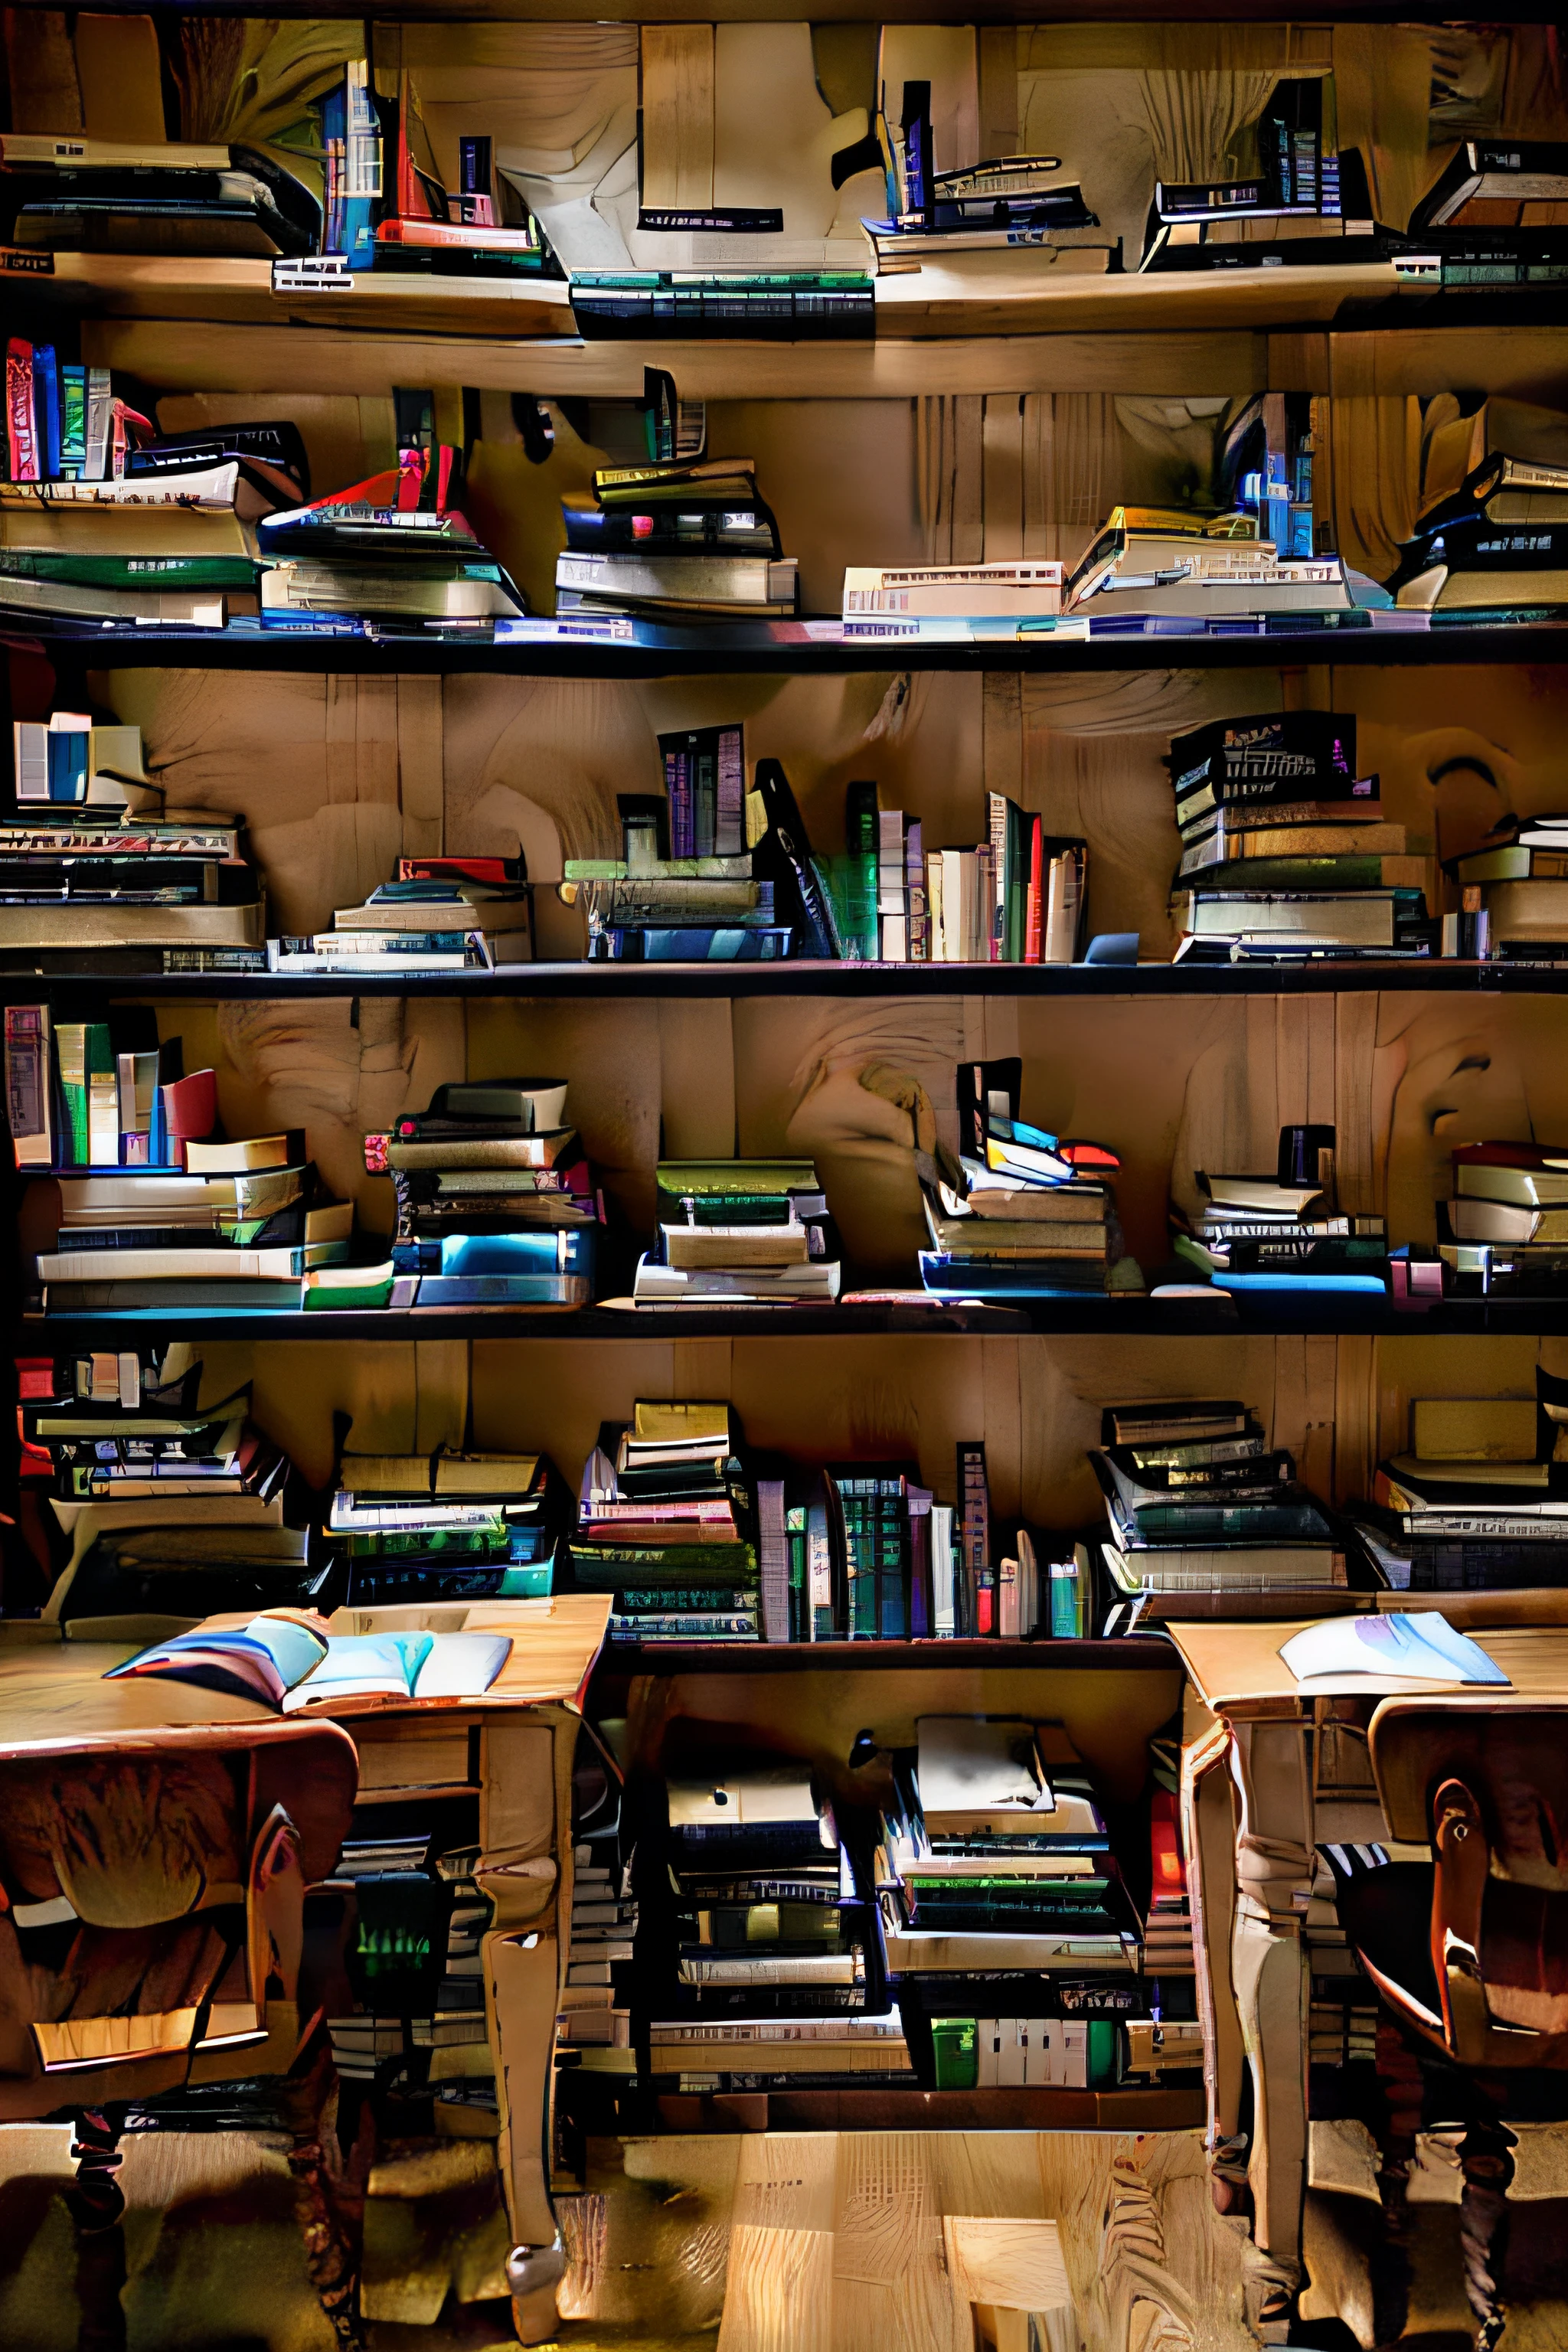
1471	1508
1283	1231
1494	215
217	1226
685	887
446	1527
79	874
788	306
1004	1922
1168	1927
950	604
982	216
1285	850
71	194
748	1232
166	1510
1021	1214
684	541
1513	902
759	1904
394	553
1185	570
413	1923
665	1524
1307	202
1491	534
1504	1233
489	1213
1206	1519
438	915
595	2009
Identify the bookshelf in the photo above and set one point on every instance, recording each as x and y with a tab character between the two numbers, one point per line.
341	754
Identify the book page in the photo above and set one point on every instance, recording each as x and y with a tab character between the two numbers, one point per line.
461	1665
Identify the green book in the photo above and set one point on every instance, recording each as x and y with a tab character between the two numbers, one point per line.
859	923
1293	874
216	572
82	1051
73	421
955	2048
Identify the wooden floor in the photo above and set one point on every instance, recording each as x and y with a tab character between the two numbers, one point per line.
778	2243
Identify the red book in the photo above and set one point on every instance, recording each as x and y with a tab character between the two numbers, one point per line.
1511	1155
1169	1876
190	1112
502	872
21	418
35	1377
1034	906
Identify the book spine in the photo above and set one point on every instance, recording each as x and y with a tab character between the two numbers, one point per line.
977	1589
47	409
943	1615
1008	1597
922	1624
73	422
21	422
28	1106
772	1544
996	949
30	742
730	791
362	165
915	911
1034	919
99	417
795	1528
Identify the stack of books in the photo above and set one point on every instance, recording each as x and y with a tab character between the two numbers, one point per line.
1471	1508
979	218
1308	202
446	1527
793	306
1168	1928
238	1226
950	603
414	1919
391	554
1513	901
1494	215
1206	1519
1020	897
1282	1231
168	1510
1002	1910
71	194
665	1524
596	2001
1504	1233
463	2089
683	541
438	915
80	876
685	887
761	1899
1284	846
1020	1213
1187	570
750	1233
479	1228
1491	533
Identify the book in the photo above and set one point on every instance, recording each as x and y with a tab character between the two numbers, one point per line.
243	1158
1386	1651
290	1661
975	589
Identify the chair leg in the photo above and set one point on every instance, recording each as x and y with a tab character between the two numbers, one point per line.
332	2257
98	2208
1486	2155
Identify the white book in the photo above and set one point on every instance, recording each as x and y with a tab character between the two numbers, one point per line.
214	487
966	591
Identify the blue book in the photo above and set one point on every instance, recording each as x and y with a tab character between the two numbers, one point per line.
47	408
68	763
555	1250
1324	1284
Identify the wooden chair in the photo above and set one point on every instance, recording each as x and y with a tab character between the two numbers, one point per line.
1483	1779
151	1902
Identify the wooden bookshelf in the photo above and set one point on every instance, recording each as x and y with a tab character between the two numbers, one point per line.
155	324
615	982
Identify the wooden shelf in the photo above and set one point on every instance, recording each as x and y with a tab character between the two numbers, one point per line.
783	649
215	326
1127	2110
1139	1652
616	982
1281	1313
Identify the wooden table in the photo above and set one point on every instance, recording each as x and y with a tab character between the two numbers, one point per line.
511	1746
1255	1810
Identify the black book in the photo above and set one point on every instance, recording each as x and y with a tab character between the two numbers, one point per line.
784	858
213	882
701	530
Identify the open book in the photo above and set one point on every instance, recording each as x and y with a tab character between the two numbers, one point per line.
1387	1651
286	1659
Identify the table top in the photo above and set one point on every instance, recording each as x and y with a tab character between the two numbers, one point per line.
1237	1669
54	1690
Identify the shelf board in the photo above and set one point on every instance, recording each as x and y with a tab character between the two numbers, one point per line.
1136	1652
783	649
1129	2110
1276	1312
618	983
215	326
